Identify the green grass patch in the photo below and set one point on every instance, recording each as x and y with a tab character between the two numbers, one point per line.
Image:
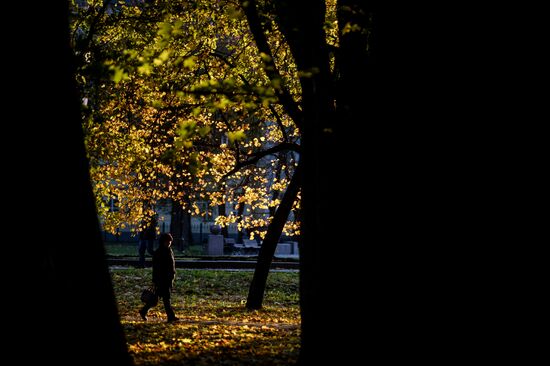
130	249
215	327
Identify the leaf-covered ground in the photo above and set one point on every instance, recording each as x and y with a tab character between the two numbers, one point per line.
214	327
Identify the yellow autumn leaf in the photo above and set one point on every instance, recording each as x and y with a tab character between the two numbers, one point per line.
236	136
189	62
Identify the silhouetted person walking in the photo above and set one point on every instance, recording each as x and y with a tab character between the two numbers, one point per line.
164	273
147	238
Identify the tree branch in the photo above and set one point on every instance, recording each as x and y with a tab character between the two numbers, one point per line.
279	122
291	107
254	158
245	81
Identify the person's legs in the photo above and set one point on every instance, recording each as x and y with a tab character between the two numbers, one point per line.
168	306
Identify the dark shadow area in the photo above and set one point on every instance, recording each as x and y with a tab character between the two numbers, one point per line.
66	310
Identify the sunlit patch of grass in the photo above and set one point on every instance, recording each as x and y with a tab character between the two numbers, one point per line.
205	343
215	327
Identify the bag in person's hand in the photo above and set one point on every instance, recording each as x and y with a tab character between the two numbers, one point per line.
148	295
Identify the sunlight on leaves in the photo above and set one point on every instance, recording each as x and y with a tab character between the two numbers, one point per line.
236	136
214	325
189	62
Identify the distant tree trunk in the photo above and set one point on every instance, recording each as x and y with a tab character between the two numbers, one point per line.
269	244
69	306
180	226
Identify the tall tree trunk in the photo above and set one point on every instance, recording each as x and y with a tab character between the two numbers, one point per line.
375	103
68	304
269	244
320	286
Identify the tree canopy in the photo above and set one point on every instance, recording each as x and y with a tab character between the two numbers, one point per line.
180	103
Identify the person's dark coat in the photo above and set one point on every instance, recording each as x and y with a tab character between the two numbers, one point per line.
164	267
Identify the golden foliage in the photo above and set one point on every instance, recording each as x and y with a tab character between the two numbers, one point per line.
165	85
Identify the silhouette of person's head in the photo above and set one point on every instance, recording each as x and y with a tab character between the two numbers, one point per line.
166	239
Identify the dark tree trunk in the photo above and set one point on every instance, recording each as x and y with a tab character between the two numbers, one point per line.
269	244
377	93
67	307
319	291
265	257
186	229
180	226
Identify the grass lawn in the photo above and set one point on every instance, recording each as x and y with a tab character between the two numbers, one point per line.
130	249
215	328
